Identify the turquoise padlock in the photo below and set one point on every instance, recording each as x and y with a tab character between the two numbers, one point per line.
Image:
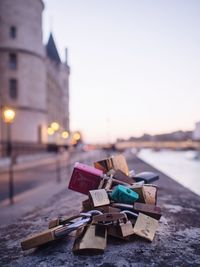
124	194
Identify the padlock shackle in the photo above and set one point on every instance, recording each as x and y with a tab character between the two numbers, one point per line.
128	212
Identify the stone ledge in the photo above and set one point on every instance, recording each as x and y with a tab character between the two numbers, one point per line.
177	242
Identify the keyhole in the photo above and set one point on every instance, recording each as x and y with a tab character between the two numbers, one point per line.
128	191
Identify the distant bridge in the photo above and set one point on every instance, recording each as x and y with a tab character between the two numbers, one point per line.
176	145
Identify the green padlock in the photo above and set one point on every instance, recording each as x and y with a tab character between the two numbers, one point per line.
124	194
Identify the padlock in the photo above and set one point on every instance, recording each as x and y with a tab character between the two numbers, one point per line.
121	176
85	178
126	228
145	226
91	239
148	209
117	162
104	165
39	239
147	177
108	209
150	194
52	234
124	195
99	197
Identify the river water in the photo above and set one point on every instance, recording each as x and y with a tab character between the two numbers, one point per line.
175	164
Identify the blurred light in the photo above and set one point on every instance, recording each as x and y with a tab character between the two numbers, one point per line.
8	115
77	136
65	134
50	131
55	126
73	142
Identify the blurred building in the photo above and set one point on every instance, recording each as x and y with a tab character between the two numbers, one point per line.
196	133
33	80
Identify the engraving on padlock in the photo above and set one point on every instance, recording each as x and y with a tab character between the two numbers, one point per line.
150	194
85	178
99	197
124	194
148	209
91	239
145	226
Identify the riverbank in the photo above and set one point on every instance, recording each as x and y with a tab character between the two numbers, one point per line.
176	242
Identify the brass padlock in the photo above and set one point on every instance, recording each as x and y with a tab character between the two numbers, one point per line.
91	239
150	194
126	228
99	197
38	239
145	226
117	162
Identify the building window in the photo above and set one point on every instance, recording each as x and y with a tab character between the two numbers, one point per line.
13	32
13	61
13	88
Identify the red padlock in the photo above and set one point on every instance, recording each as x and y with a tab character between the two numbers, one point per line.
85	178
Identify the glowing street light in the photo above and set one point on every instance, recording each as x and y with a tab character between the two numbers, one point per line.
76	136
55	126
50	131
65	134
8	115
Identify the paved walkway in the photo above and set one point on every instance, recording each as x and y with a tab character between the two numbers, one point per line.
177	242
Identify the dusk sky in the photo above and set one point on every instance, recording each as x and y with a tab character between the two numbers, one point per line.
135	64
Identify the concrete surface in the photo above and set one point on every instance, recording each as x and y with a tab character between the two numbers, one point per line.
177	242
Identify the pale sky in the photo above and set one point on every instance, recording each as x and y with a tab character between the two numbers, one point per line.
135	64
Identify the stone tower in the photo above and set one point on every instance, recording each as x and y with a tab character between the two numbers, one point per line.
23	70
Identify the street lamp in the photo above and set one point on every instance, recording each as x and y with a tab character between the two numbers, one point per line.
50	131
55	126
8	117
77	136
65	134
